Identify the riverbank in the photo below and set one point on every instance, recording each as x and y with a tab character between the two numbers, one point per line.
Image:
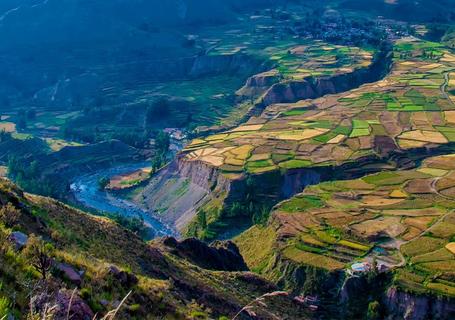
86	191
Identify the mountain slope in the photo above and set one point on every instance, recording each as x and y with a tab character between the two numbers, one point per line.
163	276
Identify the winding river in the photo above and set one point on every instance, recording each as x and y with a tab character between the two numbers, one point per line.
87	192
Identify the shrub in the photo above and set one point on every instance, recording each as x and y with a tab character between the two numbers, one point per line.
9	215
39	254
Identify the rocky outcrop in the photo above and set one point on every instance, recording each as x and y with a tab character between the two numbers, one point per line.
125	279
220	256
402	305
314	87
258	84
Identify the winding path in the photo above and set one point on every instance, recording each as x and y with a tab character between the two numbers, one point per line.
426	231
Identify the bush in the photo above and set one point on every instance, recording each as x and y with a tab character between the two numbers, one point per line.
39	254
9	215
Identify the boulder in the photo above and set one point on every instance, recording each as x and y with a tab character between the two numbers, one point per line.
19	239
70	273
126	279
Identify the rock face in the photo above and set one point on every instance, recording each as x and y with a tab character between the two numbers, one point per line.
275	90
220	256
402	305
258	84
312	88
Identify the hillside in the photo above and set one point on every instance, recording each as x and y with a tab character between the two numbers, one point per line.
104	262
227	159
401	221
379	126
383	241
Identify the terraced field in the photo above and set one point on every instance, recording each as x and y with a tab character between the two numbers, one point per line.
401	219
411	108
310	59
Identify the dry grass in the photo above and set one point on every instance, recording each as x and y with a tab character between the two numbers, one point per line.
373	228
312	259
257	254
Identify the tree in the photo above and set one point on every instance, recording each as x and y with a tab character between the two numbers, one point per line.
39	254
4	244
162	142
9	215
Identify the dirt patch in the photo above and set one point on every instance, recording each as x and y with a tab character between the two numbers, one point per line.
384	226
419	186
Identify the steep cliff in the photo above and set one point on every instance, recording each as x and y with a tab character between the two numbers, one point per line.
403	305
271	88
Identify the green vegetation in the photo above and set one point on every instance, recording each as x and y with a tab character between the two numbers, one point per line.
382	219
302	203
97	246
324	136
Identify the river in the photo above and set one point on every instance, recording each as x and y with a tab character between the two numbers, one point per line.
87	192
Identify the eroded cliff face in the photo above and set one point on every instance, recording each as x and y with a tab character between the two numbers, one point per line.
270	188
272	88
347	297
315	87
408	306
